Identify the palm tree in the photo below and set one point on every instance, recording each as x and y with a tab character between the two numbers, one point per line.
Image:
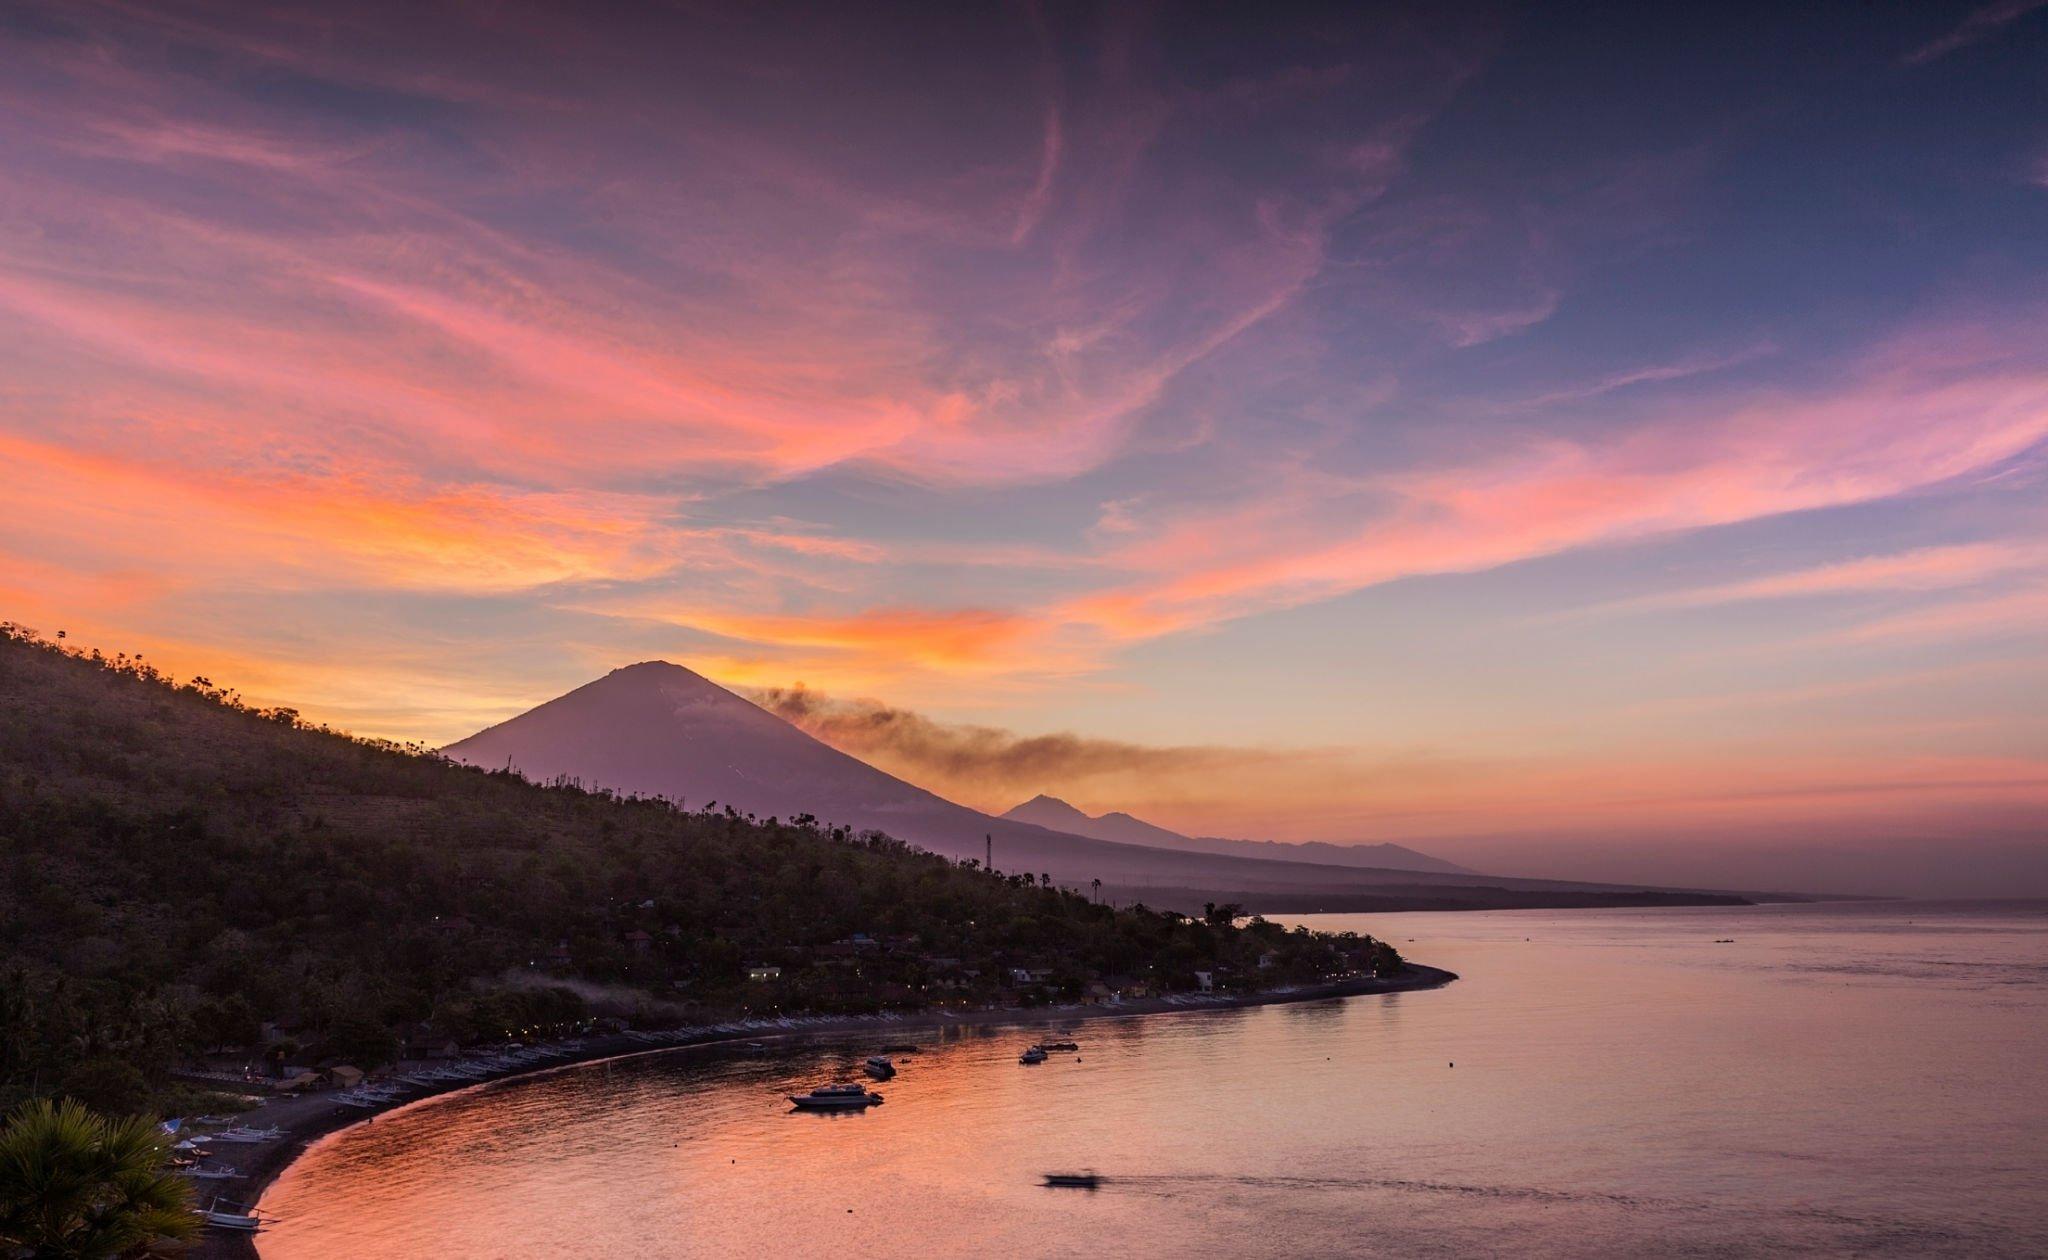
77	1186
1098	890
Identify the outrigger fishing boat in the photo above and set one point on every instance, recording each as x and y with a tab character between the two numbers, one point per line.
244	1221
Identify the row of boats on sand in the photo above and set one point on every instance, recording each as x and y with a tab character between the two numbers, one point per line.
457	1074
190	1156
853	1096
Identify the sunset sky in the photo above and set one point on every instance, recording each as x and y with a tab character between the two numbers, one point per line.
1571	440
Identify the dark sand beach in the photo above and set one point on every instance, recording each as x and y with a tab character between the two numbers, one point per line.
307	1118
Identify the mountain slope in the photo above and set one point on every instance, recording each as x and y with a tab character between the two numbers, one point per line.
658	729
176	870
1050	811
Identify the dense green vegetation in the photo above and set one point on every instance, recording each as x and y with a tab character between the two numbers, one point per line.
179	873
83	1187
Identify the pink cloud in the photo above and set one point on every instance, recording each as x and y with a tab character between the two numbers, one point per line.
2022	612
1921	569
1904	423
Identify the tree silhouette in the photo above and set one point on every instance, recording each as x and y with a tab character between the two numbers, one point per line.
81	1186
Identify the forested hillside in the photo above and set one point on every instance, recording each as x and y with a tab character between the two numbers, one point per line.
178	870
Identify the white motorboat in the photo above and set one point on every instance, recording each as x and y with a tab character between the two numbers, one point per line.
879	1067
836	1098
1032	1054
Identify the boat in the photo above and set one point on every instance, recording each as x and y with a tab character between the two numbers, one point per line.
1059	1046
1032	1054
245	1222
836	1098
1080	1180
225	1172
879	1067
902	1049
757	1046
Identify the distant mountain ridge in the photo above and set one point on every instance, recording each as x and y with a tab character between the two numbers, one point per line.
658	729
1051	811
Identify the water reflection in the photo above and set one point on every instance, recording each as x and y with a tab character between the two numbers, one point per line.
1623	1085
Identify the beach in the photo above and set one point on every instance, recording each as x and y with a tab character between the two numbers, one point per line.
307	1118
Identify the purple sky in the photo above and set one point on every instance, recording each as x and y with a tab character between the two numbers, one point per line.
1571	440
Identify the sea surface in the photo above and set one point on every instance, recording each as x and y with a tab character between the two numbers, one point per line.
1862	1079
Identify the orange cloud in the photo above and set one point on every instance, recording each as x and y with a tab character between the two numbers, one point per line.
961	639
332	530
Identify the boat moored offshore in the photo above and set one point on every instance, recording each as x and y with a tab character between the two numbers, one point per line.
836	1098
879	1067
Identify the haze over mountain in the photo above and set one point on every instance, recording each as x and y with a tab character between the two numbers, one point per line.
658	729
1051	811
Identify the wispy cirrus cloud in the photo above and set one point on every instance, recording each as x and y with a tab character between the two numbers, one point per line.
1917	570
1981	24
1894	427
2022	611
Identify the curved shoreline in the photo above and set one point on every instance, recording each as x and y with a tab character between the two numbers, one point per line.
316	1121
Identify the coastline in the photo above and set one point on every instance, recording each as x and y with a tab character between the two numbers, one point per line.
308	1119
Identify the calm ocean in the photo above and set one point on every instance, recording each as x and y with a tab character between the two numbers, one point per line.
1865	1078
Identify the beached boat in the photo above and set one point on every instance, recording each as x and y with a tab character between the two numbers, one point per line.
836	1098
1032	1054
879	1067
244	1221
1079	1181
225	1172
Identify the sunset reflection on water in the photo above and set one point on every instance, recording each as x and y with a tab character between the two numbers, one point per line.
1833	1080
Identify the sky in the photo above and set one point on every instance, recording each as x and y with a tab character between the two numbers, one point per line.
1576	440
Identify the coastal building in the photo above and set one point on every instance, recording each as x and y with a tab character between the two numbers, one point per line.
761	973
